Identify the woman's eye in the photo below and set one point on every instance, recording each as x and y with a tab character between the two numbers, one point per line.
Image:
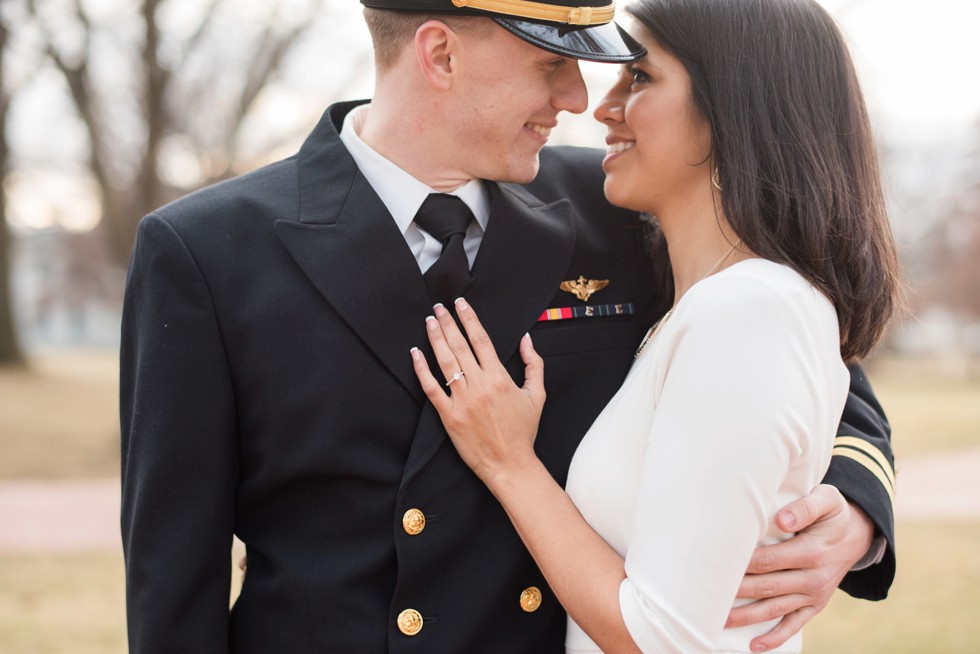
636	75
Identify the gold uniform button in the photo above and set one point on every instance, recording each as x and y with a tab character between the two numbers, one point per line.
409	622
531	599
413	522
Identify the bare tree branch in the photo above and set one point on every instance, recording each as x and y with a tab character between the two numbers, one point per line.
166	93
83	19
195	39
265	66
76	76
267	63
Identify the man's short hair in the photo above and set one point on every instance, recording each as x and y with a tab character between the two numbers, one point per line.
392	30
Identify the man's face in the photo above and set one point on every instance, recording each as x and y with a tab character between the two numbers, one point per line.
507	98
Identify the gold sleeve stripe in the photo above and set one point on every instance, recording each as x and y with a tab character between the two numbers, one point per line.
870	450
543	11
868	463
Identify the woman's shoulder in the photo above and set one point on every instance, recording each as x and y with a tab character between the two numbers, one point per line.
758	283
766	322
760	294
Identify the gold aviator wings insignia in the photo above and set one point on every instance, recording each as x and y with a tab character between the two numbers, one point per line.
583	288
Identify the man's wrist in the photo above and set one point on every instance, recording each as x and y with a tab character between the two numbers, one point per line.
873	556
877	544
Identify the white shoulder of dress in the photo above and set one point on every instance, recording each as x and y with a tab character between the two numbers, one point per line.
752	292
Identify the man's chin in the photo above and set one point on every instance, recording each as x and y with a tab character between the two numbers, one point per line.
523	174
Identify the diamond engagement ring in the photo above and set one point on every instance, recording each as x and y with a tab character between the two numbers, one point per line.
455	378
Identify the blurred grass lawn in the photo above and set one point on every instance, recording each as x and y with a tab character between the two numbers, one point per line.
59	420
74	603
66	603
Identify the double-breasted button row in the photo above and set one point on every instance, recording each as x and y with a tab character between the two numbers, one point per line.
413	522
410	621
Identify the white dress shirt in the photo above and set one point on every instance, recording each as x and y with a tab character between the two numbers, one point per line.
403	194
728	414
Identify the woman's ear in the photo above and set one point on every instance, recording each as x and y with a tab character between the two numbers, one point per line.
436	47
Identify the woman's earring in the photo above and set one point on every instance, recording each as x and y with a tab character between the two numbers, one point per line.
716	179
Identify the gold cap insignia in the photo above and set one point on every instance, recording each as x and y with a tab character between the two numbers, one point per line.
583	288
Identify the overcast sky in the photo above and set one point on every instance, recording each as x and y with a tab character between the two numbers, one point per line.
919	59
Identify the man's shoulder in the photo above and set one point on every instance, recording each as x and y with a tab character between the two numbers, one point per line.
265	194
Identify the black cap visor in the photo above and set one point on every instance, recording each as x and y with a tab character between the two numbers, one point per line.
607	43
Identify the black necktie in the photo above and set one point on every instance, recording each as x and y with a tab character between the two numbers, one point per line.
446	218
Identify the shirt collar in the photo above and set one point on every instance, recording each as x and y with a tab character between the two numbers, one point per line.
400	192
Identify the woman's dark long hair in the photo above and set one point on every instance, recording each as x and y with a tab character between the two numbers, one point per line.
792	144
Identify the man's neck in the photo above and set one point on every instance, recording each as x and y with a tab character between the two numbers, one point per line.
412	144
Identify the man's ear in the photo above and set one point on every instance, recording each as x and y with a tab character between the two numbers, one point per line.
436	49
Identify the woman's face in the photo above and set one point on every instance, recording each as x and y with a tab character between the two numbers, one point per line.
658	143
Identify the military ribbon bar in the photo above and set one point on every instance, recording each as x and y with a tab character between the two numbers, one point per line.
597	311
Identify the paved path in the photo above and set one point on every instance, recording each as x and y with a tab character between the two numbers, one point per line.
939	487
59	516
65	516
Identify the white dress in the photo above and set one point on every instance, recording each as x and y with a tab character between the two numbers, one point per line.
728	414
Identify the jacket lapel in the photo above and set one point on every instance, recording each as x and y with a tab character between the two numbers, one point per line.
522	260
349	246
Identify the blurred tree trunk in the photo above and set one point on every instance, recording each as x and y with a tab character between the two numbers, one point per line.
10	351
195	89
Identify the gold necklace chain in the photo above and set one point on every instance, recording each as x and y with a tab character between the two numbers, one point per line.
652	332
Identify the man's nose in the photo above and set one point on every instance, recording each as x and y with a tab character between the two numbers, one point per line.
571	94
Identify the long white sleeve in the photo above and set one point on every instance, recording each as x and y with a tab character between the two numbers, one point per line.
744	388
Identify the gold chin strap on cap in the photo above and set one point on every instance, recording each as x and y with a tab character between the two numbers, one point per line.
542	11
